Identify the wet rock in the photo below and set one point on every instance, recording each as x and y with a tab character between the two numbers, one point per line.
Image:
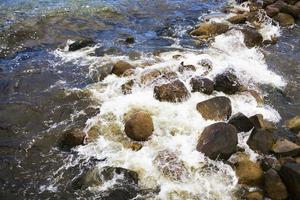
127	87
206	63
249	173
128	176
210	29
292	10
149	76
261	140
183	68
73	137
274	187
272	10
99	73
129	40
79	44
134	55
293	124
120	67
270	163
139	127
252	37
218	140
217	108
168	76
290	174
237	19
283	147
170	165
260	123
257	96
241	122
93	134
284	19
203	85
136	146
90	178
227	83
174	91
283	160
267	2
255	196
128	72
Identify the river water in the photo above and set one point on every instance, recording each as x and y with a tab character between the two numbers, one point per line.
45	90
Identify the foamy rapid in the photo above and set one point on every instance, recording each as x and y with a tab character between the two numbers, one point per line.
177	126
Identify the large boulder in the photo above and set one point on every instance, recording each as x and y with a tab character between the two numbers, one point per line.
139	127
120	67
218	140
284	19
73	137
293	124
252	37
79	44
203	85
249	172
210	29
261	140
228	83
283	147
173	91
290	174
217	108
274	187
241	122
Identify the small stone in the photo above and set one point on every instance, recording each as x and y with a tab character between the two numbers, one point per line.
79	44
127	87
217	108
203	85
136	146
120	67
183	68
130	40
73	137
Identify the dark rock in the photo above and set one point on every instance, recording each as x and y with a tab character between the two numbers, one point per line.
290	174
174	91
101	72
79	44
120	67
252	37
283	160
237	19
203	85
210	29
283	147
267	2
241	122
272	10
270	163
284	19
255	196
218	140
249	173
274	187
130	40
293	124
259	122
261	140
182	68
127	87
292	10
227	83
217	108
73	137
139	127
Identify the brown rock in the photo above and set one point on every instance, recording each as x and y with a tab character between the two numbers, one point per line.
274	187
139	127
293	124
261	140
127	87
284	19
292	10
210	29
255	196
227	83
259	122
249	173
136	146
252	37
237	19
203	85
290	174
241	122
120	67
93	134
174	91
283	147
217	108
149	76
73	137
218	140
270	163
272	10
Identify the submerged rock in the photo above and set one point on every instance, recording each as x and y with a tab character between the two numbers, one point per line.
261	140
227	83
174	91
203	85
79	44
183	68
274	187
217	108
249	173
73	137
283	147
99	73
293	124
241	122
120	67
284	19
252	37
210	29
218	140
290	174
139	127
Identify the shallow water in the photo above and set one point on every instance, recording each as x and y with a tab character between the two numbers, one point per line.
45	90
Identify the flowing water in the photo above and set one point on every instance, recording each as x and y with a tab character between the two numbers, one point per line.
45	90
